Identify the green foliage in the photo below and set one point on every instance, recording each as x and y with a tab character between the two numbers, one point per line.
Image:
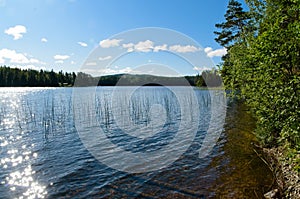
265	70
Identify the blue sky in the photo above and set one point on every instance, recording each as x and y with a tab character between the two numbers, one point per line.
62	34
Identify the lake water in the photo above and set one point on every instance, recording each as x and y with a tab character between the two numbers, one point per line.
51	145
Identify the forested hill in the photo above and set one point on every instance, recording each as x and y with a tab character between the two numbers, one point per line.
14	77
210	78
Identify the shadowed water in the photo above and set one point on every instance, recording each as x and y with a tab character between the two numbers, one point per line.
42	155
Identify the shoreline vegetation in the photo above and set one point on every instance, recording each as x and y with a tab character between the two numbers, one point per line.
262	69
15	77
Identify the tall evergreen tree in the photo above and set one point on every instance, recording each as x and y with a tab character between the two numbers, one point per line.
232	29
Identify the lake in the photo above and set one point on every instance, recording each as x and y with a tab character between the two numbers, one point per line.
127	142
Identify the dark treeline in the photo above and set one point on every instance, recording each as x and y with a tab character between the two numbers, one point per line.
10	77
27	77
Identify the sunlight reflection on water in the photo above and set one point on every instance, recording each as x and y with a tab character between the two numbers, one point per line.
42	156
20	177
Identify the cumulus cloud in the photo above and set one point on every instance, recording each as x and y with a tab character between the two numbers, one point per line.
183	49
61	57
44	40
208	49
15	57
105	58
144	46
107	43
82	44
160	48
215	53
129	46
148	46
16	31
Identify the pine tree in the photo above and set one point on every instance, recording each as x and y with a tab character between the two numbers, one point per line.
232	29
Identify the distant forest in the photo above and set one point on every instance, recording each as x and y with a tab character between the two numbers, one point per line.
15	77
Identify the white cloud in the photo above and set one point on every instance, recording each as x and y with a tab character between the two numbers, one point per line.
130	50
32	60
15	57
215	53
160	48
127	70
112	71
61	57
30	66
208	49
129	45
200	69
19	60
183	49
59	61
72	62
144	46
17	31
105	58
44	40
148	45
107	43
82	44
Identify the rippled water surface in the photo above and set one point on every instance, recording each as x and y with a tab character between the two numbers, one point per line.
43	155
